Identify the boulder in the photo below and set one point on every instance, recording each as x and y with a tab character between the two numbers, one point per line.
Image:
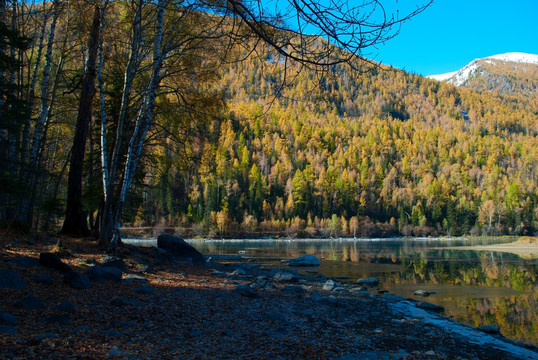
177	247
305	260
52	261
31	302
77	280
24	262
10	279
103	273
368	281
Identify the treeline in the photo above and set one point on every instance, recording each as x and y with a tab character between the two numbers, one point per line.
382	154
184	122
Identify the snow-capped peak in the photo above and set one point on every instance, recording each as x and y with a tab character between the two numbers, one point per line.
460	77
516	57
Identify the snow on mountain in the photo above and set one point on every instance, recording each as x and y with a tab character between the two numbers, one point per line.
460	77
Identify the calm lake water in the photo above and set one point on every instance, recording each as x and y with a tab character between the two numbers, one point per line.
474	287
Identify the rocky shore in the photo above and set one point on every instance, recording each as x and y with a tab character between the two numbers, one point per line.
146	303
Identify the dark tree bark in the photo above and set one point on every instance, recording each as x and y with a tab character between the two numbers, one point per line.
75	222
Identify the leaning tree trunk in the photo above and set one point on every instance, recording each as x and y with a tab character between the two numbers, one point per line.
75	221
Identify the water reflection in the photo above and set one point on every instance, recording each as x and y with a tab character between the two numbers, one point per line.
475	287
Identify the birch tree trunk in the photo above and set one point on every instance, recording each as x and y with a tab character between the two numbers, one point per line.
110	175
75	221
143	123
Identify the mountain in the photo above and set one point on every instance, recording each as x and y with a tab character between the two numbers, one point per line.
505	73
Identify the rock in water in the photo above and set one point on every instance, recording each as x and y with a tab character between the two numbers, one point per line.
52	261
103	273
489	329
179	248
368	281
430	307
422	293
10	279
305	260
77	280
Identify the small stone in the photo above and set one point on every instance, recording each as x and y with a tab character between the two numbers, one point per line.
218	273
10	279
145	290
329	285
239	272
130	277
111	333
430	353
7	319
422	293
124	302
103	273
285	277
48	335
43	279
358	289
305	260
77	280
52	261
31	302
8	330
247	291
368	281
57	319
113	261
66	306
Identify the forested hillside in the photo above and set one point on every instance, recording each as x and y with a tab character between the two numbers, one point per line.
383	153
180	119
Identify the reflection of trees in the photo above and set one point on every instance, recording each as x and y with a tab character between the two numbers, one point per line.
513	314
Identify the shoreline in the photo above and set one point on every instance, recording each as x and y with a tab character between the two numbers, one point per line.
231	309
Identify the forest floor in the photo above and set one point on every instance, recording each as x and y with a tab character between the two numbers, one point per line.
163	308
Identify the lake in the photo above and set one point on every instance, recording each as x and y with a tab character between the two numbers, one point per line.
475	287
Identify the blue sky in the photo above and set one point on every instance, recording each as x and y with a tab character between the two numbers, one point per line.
451	33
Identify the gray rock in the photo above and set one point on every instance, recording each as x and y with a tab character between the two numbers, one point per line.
131	277
218	273
285	277
239	272
31	302
340	289
113	261
489	329
358	289
66	306
8	330
430	307
77	280
7	319
422	293
179	248
305	260
329	285
247	291
368	281
24	262
124	302
44	279
52	261
103	273
10	279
